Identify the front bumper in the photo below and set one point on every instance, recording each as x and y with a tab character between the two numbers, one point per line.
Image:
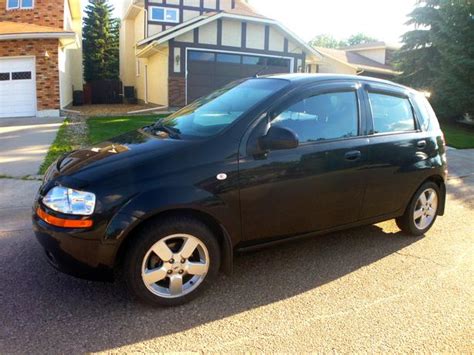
74	253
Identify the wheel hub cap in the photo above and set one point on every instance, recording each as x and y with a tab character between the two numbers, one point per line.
175	266
425	209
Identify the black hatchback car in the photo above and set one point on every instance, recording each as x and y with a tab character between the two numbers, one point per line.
260	161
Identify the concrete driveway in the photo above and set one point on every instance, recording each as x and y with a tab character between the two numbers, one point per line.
24	143
370	289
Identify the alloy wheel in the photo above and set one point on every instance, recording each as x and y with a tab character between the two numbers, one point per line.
175	266
426	208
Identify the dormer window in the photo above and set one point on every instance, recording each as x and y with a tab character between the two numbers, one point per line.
20	4
164	14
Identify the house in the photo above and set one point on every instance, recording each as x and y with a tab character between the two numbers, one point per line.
369	59
40	56
175	51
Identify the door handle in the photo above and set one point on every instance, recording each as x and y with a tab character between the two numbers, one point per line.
353	155
421	144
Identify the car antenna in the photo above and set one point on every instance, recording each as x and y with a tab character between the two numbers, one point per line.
257	74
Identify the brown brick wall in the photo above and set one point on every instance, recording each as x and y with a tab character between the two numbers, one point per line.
45	13
177	91
47	73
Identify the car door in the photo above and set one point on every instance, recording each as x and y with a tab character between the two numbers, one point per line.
318	185
398	151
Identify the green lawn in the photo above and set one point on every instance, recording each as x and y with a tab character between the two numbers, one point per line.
64	142
458	137
103	128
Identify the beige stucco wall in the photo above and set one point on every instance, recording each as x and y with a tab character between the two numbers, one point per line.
208	33
127	53
157	68
375	54
329	65
232	33
187	37
70	59
276	40
255	36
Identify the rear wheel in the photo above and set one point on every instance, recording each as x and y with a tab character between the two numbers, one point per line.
172	261
422	210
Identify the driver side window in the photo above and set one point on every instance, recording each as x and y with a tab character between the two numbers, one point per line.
322	117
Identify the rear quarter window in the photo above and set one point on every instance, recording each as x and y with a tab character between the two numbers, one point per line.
391	113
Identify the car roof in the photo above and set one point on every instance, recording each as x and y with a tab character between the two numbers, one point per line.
306	78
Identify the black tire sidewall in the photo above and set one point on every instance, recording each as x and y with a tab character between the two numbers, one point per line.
152	233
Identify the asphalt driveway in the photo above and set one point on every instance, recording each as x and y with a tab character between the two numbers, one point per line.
24	143
369	289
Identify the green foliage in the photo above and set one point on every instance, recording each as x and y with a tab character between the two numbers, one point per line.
360	38
438	55
326	41
100	42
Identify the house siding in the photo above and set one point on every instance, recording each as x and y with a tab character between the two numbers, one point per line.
45	13
47	73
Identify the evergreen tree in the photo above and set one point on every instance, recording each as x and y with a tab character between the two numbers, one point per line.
100	42
438	56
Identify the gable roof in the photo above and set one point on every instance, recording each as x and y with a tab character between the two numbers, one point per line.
371	45
206	18
19	30
356	61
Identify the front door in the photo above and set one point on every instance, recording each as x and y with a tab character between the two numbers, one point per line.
318	185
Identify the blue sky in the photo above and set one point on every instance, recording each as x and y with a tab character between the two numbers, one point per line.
383	19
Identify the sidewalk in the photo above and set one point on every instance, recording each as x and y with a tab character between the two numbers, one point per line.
24	143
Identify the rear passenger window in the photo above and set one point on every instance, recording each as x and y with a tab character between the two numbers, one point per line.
391	113
322	117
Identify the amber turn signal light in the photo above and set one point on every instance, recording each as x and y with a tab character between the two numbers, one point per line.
65	223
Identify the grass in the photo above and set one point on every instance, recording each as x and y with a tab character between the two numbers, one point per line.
103	128
458	137
63	143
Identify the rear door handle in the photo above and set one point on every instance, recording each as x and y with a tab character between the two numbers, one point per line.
353	155
421	144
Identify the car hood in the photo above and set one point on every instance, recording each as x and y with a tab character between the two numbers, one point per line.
126	152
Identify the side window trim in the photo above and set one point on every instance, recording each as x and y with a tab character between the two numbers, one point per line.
322	89
377	90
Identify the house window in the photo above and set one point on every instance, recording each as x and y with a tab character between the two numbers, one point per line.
20	4
4	76
163	14
21	75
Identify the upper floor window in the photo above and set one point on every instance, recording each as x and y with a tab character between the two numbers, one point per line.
164	14
391	113
20	4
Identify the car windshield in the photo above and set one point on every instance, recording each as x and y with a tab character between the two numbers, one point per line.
210	115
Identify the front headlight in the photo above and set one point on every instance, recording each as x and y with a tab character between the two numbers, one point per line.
69	201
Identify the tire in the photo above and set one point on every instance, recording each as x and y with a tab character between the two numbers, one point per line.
428	211
152	257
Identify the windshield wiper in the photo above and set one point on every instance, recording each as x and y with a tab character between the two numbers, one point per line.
171	131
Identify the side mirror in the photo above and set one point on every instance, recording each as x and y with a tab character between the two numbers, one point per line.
278	138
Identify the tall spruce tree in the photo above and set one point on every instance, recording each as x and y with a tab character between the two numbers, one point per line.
438	56
100	42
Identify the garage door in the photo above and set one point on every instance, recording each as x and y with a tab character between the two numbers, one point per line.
209	71
17	87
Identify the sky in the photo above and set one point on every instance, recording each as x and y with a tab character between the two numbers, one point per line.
381	19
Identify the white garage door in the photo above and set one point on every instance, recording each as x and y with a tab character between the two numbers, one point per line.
17	87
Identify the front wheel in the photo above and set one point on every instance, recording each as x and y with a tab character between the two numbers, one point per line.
422	211
172	261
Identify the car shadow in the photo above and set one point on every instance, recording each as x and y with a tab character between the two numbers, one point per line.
44	310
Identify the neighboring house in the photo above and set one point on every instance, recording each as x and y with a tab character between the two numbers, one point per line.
175	51
369	59
40	56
